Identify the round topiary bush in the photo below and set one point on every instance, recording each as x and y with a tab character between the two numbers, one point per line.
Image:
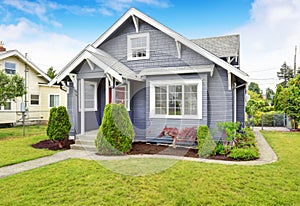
116	132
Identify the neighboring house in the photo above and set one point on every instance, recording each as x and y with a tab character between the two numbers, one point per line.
162	78
40	98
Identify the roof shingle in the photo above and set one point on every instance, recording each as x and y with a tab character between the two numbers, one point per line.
222	46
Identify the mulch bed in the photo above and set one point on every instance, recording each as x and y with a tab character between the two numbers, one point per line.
140	148
143	148
48	144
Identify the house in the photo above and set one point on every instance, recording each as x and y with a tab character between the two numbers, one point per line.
40	98
162	78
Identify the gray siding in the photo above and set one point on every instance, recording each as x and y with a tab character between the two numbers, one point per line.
138	109
155	125
240	104
72	108
163	51
220	107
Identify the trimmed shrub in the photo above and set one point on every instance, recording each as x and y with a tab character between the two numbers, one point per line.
219	150
50	128
116	132
59	125
244	154
206	143
274	118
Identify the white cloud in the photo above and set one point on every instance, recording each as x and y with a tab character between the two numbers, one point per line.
43	48
269	39
43	9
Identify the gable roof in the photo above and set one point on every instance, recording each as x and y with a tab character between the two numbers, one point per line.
16	53
222	46
177	37
100	57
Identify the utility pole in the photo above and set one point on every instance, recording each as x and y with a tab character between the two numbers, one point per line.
24	104
295	68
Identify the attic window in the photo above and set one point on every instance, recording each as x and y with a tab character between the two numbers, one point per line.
10	67
138	46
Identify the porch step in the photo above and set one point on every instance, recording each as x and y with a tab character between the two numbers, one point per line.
84	147
85	142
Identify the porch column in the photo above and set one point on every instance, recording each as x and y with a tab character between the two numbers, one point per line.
234	103
114	91
106	91
82	114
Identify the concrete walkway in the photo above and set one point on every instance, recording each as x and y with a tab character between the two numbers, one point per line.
267	156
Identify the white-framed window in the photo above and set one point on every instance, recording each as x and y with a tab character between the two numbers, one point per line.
10	67
6	107
54	100
123	95
34	99
138	46
176	99
90	96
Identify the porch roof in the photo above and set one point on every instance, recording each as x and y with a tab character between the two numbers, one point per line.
113	63
178	70
100	58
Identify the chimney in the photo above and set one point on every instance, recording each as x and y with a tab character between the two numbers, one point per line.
2	48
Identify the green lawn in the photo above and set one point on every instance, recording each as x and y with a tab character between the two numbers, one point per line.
82	182
18	131
15	148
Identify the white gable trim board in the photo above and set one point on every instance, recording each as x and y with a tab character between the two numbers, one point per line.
25	60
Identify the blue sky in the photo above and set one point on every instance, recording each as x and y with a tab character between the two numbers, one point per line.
54	31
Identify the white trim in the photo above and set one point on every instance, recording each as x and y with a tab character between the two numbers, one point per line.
87	53
174	35
82	96
176	82
106	91
128	95
229	80
56	94
91	65
234	103
178	46
82	112
129	46
3	106
23	58
10	62
177	70
126	85
136	23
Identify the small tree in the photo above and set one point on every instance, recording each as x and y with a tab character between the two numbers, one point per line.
11	86
293	106
51	72
270	96
280	99
255	88
116	132
288	99
59	125
285	73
